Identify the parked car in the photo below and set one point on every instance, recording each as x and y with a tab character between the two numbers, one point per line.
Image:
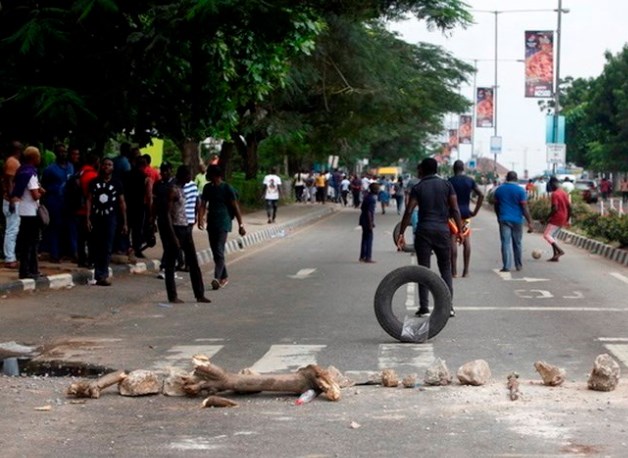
588	190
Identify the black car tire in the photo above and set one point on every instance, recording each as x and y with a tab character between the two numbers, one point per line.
409	247
441	307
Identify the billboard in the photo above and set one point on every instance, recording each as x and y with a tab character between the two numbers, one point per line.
453	138
539	63
484	107
465	129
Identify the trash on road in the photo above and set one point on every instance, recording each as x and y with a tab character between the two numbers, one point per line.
513	386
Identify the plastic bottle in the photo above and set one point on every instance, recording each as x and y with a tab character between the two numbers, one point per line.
306	397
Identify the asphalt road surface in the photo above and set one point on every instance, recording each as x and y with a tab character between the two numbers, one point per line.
304	298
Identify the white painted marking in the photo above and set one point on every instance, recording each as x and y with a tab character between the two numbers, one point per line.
60	281
180	356
577	295
507	276
543	309
543	294
619	277
303	273
613	339
411	288
395	355
620	351
285	358
196	443
28	284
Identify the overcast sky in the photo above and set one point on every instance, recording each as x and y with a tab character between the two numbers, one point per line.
590	28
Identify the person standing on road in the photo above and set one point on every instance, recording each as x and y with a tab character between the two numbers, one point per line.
272	193
399	194
606	188
220	202
367	222
344	189
623	188
437	202
464	186
299	184
176	234
10	205
558	217
321	187
158	218
28	190
356	190
511	207
105	202
84	254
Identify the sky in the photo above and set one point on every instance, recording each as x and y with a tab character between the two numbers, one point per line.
588	30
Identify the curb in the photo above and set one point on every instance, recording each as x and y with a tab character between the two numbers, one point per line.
595	247
84	276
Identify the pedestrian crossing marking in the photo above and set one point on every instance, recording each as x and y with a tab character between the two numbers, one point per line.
282	358
619	277
620	351
400	355
180	356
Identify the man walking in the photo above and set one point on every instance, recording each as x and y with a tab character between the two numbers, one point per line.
464	185
176	234
10	205
272	192
558	217
437	202
220	202
511	207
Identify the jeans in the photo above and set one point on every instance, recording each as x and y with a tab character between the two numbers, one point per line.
366	246
11	230
440	242
511	233
103	233
217	240
271	208
171	253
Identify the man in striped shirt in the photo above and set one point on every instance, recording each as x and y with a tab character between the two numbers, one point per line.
190	191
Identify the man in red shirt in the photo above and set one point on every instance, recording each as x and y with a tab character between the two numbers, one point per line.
87	174
558	217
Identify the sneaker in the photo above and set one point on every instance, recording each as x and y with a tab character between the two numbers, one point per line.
215	284
203	300
422	313
161	275
224	282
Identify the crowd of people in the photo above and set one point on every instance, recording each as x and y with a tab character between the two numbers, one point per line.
100	206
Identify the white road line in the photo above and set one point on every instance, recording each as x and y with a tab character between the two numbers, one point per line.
544	309
410	290
285	358
180	356
620	351
395	355
619	277
613	339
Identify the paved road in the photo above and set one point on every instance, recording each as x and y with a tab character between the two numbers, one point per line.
304	298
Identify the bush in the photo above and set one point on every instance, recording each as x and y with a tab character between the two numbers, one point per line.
539	209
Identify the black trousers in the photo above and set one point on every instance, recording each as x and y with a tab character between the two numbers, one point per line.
440	242
171	253
27	246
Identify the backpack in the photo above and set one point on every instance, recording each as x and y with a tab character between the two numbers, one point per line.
73	193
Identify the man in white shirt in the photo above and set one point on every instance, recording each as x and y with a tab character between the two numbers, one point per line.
272	192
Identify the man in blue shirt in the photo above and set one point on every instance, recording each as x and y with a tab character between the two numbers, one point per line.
464	186
511	207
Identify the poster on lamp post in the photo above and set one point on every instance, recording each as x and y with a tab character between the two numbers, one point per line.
539	63
465	129
484	107
453	138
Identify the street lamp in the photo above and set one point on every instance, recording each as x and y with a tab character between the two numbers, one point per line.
560	10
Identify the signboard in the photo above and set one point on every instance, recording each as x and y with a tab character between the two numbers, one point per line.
556	153
484	107
496	145
465	129
539	63
471	164
551	134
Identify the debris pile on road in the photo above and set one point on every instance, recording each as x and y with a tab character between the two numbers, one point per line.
437	374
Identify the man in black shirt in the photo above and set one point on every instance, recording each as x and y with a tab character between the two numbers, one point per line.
437	202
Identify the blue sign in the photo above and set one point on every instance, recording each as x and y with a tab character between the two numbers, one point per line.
550	125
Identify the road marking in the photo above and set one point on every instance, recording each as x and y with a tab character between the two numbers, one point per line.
410	290
620	351
613	339
577	295
619	277
303	273
543	294
412	356
284	358
544	309
180	356
507	276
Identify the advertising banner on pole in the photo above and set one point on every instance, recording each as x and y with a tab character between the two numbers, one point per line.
539	63
554	129
453	138
484	107
465	129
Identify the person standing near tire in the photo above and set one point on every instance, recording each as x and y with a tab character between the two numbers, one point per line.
437	202
367	222
558	217
511	207
464	185
219	201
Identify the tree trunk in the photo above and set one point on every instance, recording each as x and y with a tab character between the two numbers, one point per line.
226	158
190	155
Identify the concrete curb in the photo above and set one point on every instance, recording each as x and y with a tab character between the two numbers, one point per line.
85	276
593	246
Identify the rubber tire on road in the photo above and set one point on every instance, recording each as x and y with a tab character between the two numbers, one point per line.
409	247
402	276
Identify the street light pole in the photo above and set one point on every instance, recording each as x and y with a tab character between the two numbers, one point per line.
495	96
557	84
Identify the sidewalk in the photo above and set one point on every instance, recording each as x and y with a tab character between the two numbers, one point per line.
67	274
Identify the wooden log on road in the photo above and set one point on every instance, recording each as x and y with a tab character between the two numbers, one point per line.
92	388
